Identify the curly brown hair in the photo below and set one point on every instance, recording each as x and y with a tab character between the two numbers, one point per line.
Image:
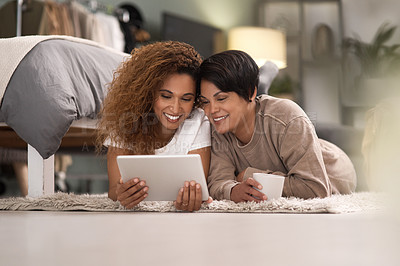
127	118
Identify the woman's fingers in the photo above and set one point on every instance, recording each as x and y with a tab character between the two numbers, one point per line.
251	182
182	200
131	193
254	195
179	199
137	197
136	202
189	197
254	192
123	187
246	192
192	195
126	191
197	202
251	197
136	188
185	197
209	200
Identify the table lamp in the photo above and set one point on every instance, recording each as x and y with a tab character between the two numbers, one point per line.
262	44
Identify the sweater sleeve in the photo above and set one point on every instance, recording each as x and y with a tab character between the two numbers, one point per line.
221	178
300	152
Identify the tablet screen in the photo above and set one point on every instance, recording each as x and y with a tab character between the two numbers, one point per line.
164	174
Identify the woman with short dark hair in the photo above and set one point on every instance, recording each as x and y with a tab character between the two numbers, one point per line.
264	135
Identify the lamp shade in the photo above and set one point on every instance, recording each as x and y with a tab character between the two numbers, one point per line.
262	44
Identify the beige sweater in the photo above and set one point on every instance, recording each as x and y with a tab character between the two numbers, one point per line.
284	142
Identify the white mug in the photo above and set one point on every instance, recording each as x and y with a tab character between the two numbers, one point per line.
272	184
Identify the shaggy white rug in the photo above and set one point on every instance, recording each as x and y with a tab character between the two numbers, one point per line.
357	202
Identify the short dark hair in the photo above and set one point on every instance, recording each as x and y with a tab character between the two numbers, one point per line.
231	70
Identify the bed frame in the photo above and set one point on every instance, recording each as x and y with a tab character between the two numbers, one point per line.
41	171
80	135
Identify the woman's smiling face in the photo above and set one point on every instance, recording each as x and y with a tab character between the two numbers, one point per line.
225	110
174	101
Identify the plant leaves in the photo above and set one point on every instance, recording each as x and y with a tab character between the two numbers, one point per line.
376	58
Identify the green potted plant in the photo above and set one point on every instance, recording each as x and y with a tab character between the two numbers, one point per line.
282	87
377	59
378	63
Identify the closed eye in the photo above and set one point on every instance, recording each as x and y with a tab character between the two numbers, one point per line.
203	100
190	99
220	99
165	96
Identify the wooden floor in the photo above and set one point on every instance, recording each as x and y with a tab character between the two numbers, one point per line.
87	238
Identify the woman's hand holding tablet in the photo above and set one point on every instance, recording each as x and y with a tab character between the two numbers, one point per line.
132	192
190	197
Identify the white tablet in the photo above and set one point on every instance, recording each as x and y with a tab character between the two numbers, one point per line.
164	174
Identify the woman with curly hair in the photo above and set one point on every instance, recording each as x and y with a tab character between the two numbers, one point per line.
150	108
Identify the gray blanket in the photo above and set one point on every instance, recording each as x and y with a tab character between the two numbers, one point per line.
57	82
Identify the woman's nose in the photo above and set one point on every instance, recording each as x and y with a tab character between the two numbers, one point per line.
213	107
175	106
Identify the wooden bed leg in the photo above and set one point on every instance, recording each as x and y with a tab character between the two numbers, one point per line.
40	174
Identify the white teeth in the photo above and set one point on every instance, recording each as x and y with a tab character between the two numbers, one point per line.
220	118
172	117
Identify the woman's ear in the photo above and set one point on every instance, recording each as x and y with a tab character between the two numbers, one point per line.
253	97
